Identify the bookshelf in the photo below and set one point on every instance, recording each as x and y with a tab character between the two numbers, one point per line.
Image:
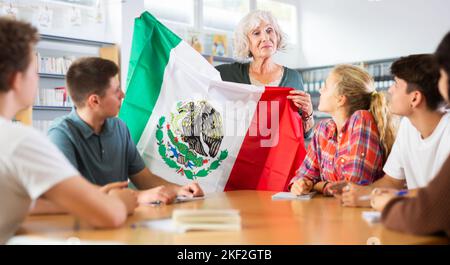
314	78
55	54
218	60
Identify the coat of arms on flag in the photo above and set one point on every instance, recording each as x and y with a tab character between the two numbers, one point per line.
190	142
178	112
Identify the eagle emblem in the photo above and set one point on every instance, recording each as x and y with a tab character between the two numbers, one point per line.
192	139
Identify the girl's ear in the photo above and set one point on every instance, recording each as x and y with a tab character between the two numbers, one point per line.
341	100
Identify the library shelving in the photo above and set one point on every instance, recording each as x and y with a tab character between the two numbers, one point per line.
54	55
314	78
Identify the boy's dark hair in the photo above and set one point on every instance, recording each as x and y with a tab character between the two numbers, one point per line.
421	73
443	56
89	75
17	39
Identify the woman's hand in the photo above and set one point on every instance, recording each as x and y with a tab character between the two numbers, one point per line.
301	100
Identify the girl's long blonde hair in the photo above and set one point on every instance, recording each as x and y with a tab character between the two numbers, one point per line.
358	87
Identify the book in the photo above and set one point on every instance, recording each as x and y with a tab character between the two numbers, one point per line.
206	219
220	46
292	196
195	40
54	65
57	97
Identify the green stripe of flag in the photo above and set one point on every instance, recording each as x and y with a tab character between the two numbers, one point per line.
151	46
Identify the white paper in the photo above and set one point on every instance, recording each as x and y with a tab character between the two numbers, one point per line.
371	217
292	196
166	225
36	240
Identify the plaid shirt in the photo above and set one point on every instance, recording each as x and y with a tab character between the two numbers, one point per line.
355	155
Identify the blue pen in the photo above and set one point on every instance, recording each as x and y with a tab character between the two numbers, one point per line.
363	182
402	192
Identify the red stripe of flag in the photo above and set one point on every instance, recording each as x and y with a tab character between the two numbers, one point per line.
270	168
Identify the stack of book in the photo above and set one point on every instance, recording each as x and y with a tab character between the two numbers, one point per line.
205	219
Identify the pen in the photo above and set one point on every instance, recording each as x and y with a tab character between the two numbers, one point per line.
402	192
155	203
363	182
368	197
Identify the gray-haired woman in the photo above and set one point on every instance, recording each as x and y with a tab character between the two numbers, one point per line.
257	38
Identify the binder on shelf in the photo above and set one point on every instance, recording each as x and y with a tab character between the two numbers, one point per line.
53	97
54	65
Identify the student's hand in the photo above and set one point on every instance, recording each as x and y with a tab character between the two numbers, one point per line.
302	186
115	185
380	197
190	190
162	194
352	193
301	100
336	188
128	197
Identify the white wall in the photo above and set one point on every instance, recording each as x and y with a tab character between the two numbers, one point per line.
131	9
291	56
337	31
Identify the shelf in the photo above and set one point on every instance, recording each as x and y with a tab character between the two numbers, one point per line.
76	41
367	62
220	58
52	108
383	78
53	76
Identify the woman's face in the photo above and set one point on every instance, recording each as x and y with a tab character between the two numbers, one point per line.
443	85
263	40
328	101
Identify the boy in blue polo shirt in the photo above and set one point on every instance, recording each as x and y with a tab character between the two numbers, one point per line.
99	144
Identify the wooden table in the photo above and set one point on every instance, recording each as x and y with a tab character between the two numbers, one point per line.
317	221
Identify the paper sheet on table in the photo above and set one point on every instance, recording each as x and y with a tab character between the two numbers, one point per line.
166	225
37	240
291	196
371	216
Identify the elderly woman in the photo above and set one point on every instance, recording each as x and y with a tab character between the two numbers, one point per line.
257	38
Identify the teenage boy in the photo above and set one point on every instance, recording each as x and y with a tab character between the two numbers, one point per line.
99	144
423	139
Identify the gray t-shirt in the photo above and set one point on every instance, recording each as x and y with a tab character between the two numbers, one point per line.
108	157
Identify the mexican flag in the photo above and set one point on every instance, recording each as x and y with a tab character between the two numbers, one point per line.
189	125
